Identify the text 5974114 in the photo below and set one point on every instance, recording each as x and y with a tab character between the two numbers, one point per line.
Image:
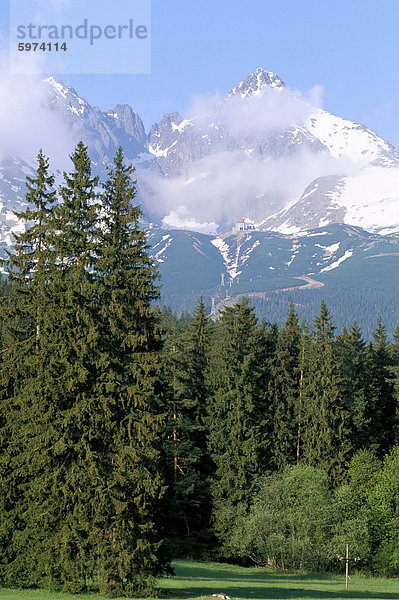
44	47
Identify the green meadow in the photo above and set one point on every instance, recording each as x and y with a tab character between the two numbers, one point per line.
193	580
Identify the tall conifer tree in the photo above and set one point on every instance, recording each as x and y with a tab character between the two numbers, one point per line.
58	394
355	374
189	463
326	431
284	389
130	395
382	407
238	415
29	268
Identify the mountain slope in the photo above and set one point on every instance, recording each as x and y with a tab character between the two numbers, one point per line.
369	199
347	266
352	140
261	261
358	174
103	132
261	151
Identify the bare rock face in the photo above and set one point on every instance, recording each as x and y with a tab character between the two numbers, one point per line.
103	132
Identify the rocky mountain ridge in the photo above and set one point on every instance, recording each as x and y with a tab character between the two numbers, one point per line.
215	164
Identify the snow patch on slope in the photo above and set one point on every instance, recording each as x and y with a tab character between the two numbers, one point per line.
230	264
224	251
372	199
329	250
248	252
166	238
351	140
181	127
336	264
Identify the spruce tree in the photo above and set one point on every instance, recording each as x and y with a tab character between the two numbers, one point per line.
22	313
382	407
130	395
57	396
238	415
284	390
189	464
306	343
354	370
395	346
326	432
69	355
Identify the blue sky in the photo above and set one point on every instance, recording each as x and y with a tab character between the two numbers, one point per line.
350	47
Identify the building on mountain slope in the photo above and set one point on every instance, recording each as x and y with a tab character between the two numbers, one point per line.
244	225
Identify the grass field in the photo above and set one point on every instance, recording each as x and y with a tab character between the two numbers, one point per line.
201	580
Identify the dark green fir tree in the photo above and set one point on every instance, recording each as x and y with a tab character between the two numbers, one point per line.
59	496
23	410
238	415
383	405
130	392
355	373
189	463
284	390
326	424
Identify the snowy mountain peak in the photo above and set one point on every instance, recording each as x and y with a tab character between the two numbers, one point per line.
60	87
255	83
103	132
352	140
262	152
66	95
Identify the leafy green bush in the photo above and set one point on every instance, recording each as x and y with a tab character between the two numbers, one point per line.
383	506
297	522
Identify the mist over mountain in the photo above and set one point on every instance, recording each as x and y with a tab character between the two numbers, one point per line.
261	151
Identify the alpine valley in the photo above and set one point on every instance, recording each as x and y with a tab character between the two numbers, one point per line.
259	192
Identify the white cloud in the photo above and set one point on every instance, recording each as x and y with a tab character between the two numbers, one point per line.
226	186
240	180
272	110
181	219
27	122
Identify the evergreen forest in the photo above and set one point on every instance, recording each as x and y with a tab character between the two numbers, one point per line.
130	435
